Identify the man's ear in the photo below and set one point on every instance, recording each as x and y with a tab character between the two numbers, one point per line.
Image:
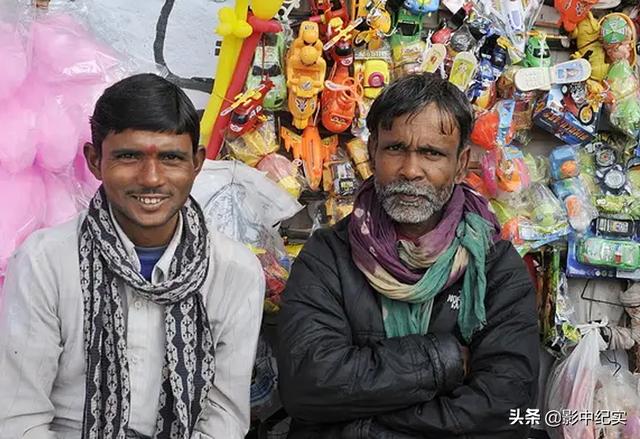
463	164
92	157
198	158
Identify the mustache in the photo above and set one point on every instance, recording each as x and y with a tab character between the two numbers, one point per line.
404	187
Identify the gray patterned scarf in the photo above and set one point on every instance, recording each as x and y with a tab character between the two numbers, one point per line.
189	362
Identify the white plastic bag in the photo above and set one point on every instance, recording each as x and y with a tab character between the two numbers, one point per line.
571	387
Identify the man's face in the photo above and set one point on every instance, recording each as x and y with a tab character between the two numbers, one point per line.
147	177
417	165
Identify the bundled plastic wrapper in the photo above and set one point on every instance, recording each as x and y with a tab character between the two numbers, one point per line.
572	385
247	206
53	71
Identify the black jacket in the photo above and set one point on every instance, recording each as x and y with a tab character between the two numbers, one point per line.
340	377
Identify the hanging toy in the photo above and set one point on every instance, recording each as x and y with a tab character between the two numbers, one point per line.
246	110
537	52
573	12
311	149
379	22
305	74
339	98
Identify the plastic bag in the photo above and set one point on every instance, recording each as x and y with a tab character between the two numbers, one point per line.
572	385
618	392
284	172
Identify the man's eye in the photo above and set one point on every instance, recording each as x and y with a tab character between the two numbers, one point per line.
393	148
126	156
430	153
172	157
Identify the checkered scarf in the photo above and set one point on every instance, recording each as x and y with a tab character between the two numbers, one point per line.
189	362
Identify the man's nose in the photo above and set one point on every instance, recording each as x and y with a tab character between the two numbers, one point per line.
151	174
411	169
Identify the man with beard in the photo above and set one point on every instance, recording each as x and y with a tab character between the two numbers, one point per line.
410	318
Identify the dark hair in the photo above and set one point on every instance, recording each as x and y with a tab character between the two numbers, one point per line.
411	94
144	102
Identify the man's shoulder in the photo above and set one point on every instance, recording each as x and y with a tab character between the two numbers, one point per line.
54	241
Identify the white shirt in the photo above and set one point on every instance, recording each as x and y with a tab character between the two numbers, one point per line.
42	357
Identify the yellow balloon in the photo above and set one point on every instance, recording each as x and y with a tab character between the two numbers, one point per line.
265	9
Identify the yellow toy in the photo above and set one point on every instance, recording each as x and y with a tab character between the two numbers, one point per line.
234	29
375	76
305	74
379	22
587	34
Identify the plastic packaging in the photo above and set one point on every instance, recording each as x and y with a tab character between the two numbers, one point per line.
284	172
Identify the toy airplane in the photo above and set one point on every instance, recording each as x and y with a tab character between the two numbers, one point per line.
254	94
312	150
541	78
344	33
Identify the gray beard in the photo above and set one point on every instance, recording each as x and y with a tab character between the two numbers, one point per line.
430	201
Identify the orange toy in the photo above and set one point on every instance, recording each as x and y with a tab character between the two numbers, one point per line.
312	150
573	12
339	98
305	73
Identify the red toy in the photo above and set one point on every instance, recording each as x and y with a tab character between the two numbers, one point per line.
246	110
323	11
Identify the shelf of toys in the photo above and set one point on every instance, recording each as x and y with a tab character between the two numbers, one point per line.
556	92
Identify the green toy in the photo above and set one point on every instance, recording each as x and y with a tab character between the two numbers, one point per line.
537	52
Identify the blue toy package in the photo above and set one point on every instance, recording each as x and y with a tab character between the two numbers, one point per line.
563	162
560	115
420	7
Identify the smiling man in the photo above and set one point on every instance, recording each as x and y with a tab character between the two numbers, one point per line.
410	318
133	319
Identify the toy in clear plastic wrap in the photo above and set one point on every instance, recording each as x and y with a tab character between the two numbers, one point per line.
339	99
312	150
284	172
463	70
564	162
246	110
504	171
573	12
253	145
338	208
433	57
305	74
275	276
359	154
407	46
378	21
618	37
587	35
482	91
494	128
547	214
605	252
268	63
537	52
576	199
340	178
625	88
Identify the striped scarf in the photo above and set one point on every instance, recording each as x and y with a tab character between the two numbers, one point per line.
189	363
410	275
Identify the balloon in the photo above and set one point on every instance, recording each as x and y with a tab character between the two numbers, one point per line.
14	60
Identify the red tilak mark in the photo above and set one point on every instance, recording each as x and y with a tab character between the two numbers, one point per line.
151	149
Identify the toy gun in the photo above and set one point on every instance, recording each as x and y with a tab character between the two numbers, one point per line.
255	94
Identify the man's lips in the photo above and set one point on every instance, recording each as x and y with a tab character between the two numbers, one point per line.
150	200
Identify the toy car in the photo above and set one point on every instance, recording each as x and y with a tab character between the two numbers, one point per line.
267	62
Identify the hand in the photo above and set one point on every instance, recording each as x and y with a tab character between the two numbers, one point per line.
466	358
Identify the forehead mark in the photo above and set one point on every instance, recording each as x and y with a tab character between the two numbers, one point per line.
151	149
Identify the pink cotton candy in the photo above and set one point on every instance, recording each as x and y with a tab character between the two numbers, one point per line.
18	136
57	136
60	199
23	207
63	50
14	60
